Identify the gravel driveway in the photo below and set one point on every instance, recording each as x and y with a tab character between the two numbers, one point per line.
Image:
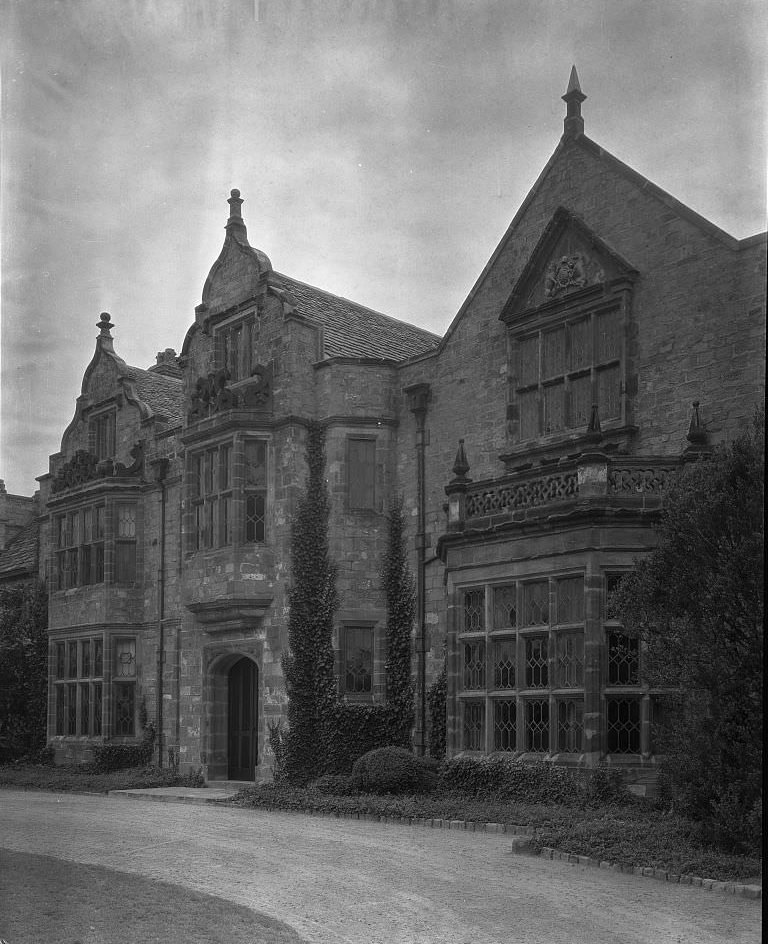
367	883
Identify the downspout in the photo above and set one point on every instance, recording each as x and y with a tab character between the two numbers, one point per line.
161	470
418	397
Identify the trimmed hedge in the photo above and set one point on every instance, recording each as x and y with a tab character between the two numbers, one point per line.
505	778
108	757
393	770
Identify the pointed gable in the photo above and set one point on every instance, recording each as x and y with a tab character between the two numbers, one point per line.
235	276
568	259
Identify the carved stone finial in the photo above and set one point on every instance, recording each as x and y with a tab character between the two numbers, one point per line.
460	465
105	325
235	225
697	434
573	124
594	430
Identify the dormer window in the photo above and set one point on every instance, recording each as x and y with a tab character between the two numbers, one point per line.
102	435
235	344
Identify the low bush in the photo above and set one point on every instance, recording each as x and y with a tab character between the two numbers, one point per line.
505	778
393	770
108	757
333	785
357	729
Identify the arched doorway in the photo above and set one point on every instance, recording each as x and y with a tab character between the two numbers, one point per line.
242	720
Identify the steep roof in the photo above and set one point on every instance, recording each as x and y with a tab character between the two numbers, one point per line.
352	330
162	394
19	557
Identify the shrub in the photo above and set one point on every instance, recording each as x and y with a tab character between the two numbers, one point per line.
606	785
505	778
108	757
333	785
359	729
393	770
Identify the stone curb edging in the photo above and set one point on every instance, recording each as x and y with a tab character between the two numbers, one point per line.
662	875
521	842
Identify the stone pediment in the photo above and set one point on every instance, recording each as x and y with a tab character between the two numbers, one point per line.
568	259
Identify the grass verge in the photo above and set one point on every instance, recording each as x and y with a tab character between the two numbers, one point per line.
633	833
46	899
83	780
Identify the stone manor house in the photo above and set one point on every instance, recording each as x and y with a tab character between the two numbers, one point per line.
612	337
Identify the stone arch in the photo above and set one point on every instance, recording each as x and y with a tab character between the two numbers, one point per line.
219	662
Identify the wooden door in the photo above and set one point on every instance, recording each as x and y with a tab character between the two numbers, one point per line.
243	720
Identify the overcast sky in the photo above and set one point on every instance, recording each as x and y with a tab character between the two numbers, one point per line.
381	147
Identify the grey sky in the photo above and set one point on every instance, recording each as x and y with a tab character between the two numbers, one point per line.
381	147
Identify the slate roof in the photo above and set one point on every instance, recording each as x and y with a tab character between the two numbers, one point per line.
19	557
161	393
352	330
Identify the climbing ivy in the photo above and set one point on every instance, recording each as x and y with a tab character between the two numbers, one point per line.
401	613
436	703
325	734
308	665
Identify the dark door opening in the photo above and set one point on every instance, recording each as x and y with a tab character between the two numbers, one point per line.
242	724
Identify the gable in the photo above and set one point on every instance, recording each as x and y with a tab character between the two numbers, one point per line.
568	258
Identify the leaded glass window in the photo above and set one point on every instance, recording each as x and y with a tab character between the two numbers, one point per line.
536	662
211	479
77	686
623	716
235	342
102	435
504	659
357	660
570	660
474	664
474	610
474	726
79	547
536	603
125	658
537	725
124	702
570	725
125	543
504	725
505	607
580	364
570	600
623	659
255	490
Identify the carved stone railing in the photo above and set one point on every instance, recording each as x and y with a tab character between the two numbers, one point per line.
592	476
529	493
633	480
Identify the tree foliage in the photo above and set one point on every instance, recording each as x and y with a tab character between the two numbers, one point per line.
401	613
23	669
309	665
697	603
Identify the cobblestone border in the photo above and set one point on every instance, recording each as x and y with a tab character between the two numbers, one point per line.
661	875
521	842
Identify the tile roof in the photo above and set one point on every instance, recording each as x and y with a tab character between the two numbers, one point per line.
161	393
20	555
352	330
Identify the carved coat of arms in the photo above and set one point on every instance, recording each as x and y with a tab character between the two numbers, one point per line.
565	273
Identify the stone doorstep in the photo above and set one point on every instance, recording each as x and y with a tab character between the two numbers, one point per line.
521	841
